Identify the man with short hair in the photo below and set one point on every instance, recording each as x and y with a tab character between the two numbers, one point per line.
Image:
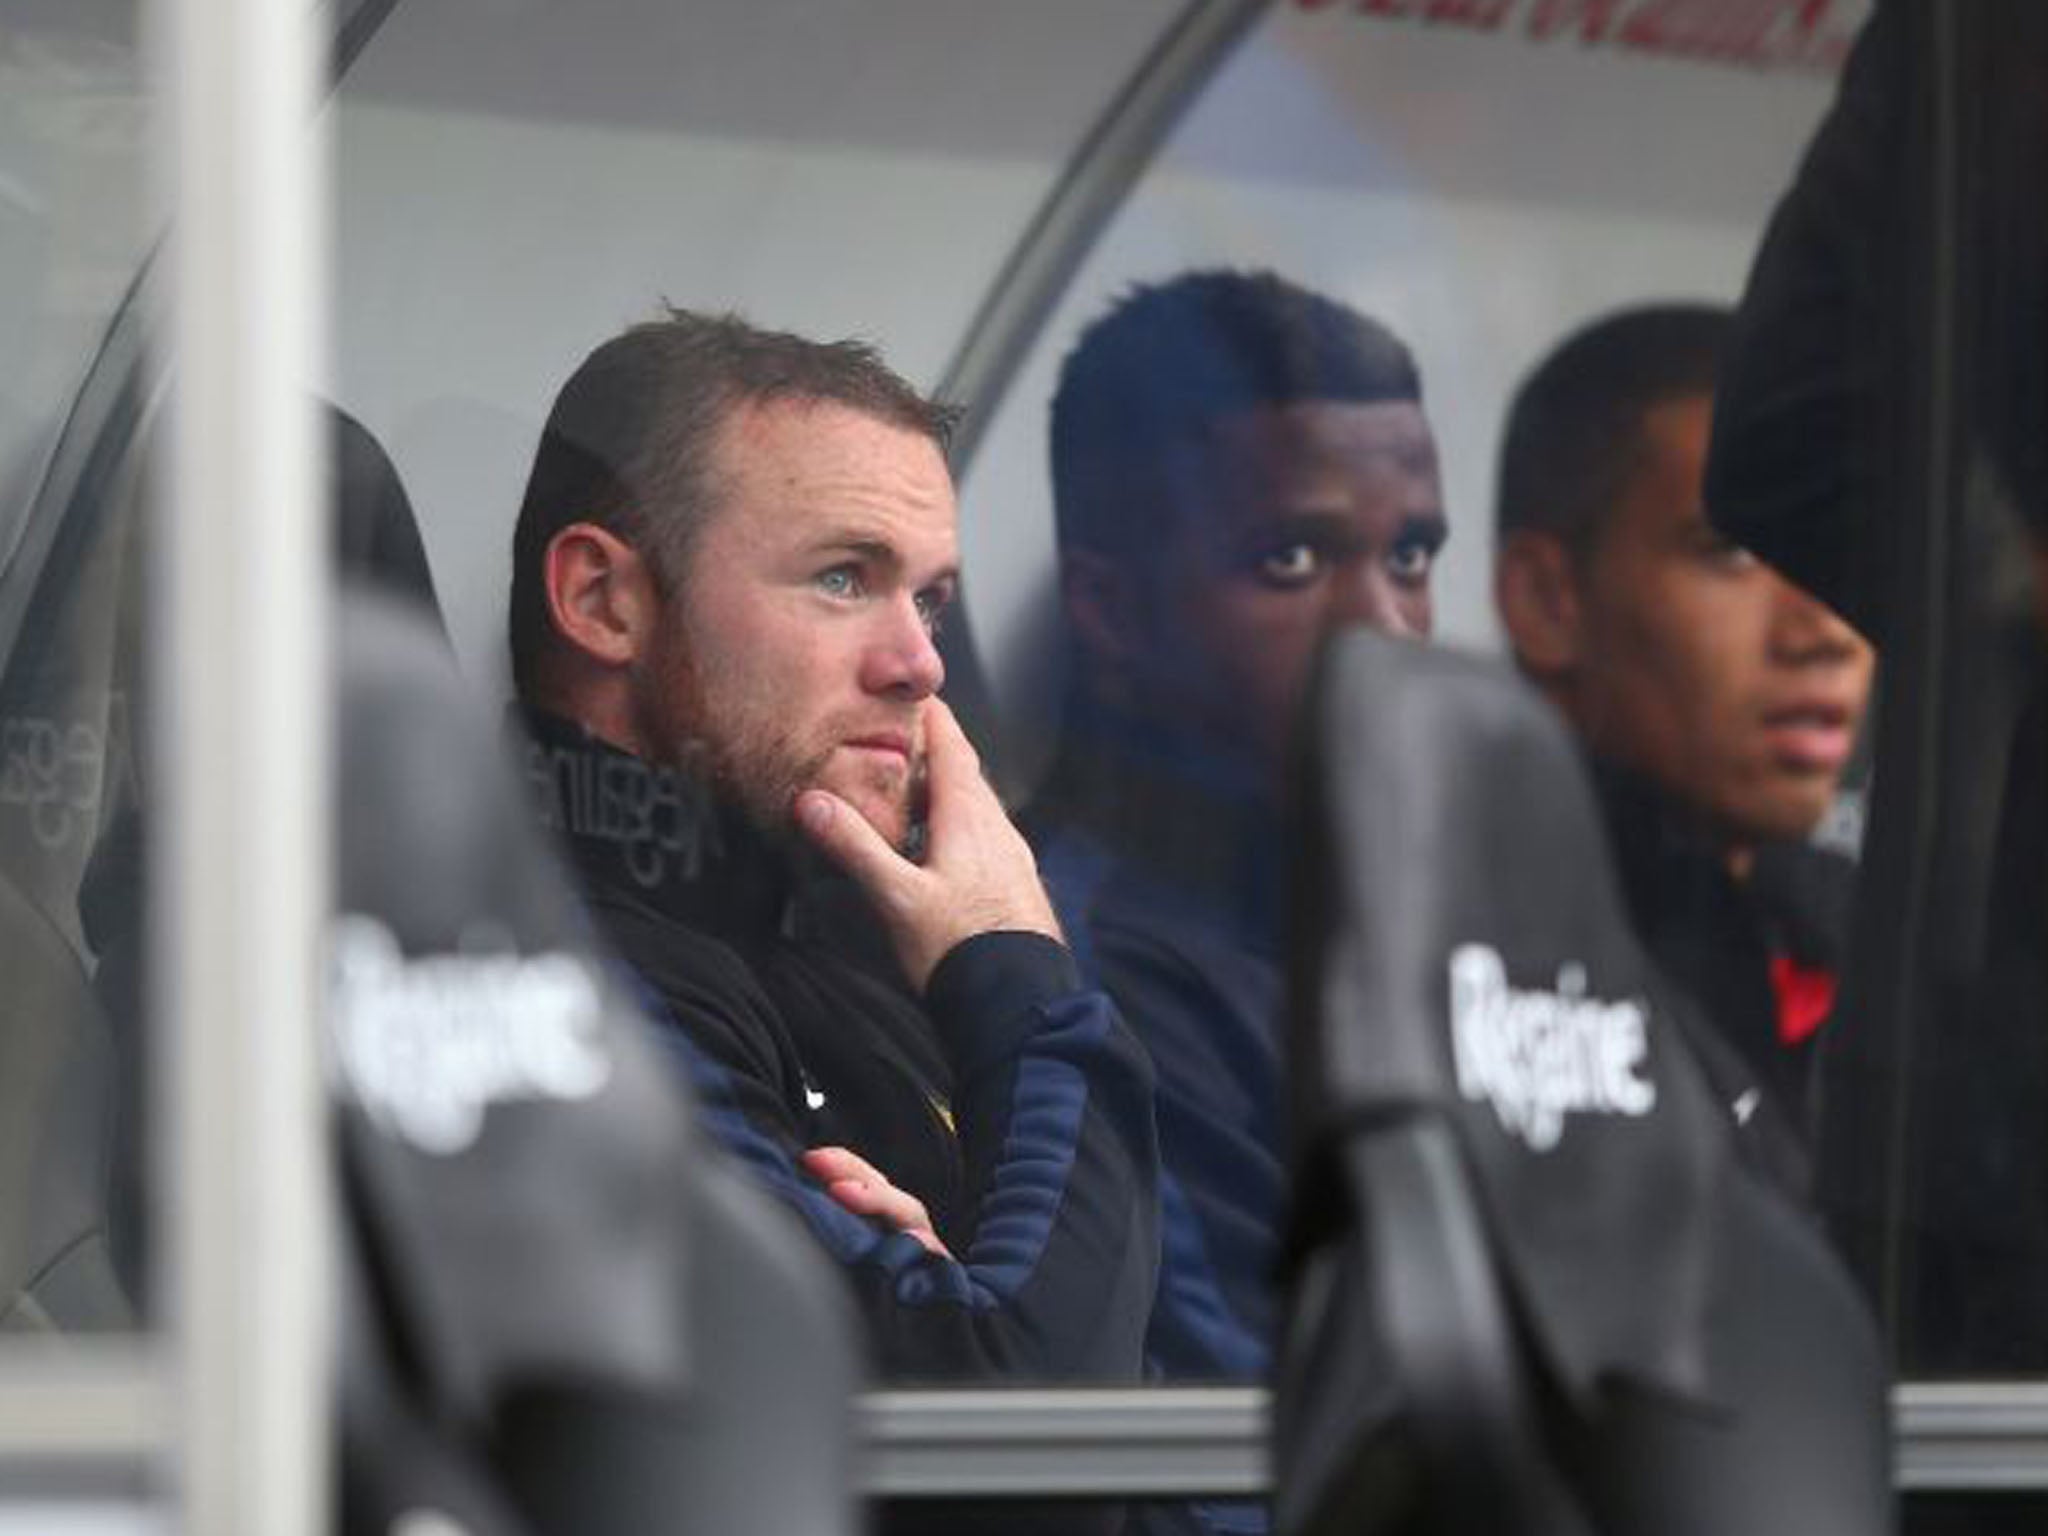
1719	703
733	553
1239	467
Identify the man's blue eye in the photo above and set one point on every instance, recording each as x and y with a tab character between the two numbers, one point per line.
932	609
840	581
1291	565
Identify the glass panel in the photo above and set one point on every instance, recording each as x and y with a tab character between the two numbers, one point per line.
72	234
1137	1517
514	188
1232	466
515	185
1481	181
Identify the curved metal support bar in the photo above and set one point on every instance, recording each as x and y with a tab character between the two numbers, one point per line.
352	23
1097	178
103	1403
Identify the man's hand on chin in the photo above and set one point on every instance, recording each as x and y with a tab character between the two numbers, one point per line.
978	874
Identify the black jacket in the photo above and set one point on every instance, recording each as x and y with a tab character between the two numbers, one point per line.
1167	867
1012	1100
1167	872
1717	938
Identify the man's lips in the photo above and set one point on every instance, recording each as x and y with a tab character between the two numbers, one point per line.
894	743
1812	735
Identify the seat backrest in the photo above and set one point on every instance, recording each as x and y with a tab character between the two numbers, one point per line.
376	533
581	1313
1534	1287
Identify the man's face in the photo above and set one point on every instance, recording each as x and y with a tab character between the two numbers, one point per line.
1294	520
1700	666
797	652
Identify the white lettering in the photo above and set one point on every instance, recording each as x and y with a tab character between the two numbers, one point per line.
428	1045
1539	1056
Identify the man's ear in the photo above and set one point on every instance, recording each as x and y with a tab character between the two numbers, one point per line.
600	593
1536	589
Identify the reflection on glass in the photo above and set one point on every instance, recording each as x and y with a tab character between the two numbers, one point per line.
1240	468
1480	189
1448	181
70	240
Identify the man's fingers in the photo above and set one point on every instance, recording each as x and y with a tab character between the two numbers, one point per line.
949	755
845	837
952	766
829	1163
858	1187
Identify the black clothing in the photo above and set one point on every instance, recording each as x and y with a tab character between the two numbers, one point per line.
1716	937
1012	1101
1933	1163
376	535
1822	380
1166	868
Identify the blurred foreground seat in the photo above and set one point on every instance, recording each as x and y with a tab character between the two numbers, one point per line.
562	1312
1534	1285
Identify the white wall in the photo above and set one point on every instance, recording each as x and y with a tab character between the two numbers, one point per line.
1479	193
456	332
518	180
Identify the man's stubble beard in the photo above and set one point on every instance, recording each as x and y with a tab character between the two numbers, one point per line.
705	733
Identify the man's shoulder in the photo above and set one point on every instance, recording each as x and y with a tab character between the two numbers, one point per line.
1810	892
1201	995
1138	912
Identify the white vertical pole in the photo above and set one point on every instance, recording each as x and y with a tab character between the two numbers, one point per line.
240	829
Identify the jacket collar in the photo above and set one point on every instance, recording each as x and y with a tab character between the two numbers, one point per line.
1174	807
656	835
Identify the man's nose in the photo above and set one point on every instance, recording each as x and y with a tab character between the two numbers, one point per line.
1369	596
1805	630
903	660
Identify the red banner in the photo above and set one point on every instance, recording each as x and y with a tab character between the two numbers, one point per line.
1808	35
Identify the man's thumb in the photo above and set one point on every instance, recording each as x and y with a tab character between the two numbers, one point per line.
845	837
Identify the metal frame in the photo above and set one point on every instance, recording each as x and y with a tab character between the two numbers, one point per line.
1026	1443
226	1403
239	882
1097	178
1092	186
103	1409
1211	1442
1971	1435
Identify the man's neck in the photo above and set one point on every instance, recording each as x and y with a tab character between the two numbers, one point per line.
599	706
657	832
